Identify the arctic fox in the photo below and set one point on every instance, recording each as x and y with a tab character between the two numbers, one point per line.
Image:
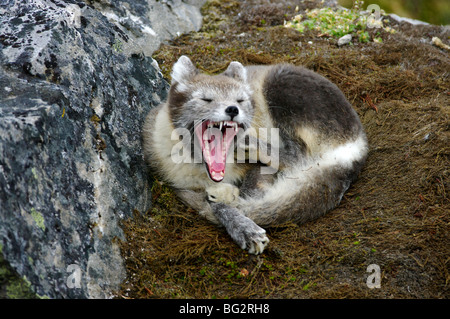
288	120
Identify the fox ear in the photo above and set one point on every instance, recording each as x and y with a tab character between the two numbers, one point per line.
183	70
236	71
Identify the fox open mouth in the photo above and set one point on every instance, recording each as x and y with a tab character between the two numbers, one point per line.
215	139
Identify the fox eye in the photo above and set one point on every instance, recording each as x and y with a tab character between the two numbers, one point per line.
240	100
206	100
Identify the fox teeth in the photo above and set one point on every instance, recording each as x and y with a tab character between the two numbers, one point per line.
221	124
234	125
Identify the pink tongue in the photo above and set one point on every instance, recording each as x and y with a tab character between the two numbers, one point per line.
213	148
213	154
217	163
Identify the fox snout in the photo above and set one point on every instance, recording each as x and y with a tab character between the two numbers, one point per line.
232	111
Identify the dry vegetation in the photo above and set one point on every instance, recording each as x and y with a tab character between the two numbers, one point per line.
396	215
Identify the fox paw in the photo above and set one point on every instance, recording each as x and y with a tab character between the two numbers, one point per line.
223	193
257	244
250	236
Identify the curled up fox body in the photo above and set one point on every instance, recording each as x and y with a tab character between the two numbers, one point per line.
260	146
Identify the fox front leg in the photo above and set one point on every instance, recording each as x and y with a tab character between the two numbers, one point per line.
242	230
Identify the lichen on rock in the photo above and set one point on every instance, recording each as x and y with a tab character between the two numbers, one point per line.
66	180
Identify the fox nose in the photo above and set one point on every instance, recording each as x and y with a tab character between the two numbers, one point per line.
232	111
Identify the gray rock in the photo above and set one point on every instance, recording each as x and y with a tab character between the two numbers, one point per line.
409	20
149	23
346	39
74	90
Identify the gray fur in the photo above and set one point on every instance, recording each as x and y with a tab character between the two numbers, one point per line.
242	229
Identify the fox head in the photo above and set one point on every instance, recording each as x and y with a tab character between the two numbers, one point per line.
213	108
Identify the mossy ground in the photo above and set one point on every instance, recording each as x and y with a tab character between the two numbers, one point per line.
396	215
11	285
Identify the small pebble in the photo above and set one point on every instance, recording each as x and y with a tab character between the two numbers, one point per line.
345	40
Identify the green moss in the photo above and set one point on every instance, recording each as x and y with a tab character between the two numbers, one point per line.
364	37
16	289
34	172
337	23
11	285
117	46
38	219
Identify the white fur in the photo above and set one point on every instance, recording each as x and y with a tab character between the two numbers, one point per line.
237	71
306	172
182	70
182	175
345	154
223	193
